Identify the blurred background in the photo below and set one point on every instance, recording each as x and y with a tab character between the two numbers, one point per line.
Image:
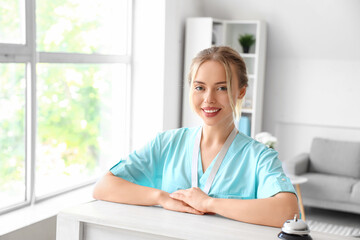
83	82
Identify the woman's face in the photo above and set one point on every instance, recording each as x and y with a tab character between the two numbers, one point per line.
209	94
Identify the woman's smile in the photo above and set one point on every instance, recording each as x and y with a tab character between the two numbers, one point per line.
210	111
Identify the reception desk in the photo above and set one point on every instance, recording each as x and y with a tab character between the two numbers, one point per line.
106	220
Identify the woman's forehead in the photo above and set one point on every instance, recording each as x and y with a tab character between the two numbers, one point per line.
213	66
211	69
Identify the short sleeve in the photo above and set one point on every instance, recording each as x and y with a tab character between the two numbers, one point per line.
271	178
142	167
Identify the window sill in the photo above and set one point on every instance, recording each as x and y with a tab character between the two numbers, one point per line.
26	216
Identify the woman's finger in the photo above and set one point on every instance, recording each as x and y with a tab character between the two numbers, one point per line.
177	195
194	211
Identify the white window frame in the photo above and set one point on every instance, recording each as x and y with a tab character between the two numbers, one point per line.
27	54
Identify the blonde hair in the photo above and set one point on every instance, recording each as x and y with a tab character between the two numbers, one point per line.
227	57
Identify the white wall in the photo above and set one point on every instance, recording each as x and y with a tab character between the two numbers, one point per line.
176	13
158	65
312	80
148	69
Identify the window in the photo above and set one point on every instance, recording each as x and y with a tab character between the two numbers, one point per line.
12	133
12	21
64	98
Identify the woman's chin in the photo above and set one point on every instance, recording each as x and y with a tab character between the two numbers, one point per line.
218	121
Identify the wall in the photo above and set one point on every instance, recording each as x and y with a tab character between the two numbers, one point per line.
157	65
312	79
148	69
176	13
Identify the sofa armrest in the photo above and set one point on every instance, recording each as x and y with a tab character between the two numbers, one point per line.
297	165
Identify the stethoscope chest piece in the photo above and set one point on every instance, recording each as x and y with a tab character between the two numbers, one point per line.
295	229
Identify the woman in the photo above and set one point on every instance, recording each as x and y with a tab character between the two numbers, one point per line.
209	169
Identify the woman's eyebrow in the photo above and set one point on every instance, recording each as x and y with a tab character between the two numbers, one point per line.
199	82
218	83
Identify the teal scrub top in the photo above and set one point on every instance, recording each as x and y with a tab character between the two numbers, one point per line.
250	170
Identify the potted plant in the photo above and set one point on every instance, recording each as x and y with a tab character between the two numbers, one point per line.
246	41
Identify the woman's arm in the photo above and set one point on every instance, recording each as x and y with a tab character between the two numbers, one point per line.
272	211
115	189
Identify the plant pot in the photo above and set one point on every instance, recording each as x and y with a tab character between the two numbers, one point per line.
246	49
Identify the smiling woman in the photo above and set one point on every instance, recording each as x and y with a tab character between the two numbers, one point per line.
207	169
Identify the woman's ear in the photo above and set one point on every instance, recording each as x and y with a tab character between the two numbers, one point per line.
242	92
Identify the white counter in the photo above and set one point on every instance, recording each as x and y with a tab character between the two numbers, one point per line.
105	220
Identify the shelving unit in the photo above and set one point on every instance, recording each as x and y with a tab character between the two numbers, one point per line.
203	33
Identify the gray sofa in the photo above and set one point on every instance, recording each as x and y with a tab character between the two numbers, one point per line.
333	171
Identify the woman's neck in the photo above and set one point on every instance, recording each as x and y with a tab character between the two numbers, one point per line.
216	135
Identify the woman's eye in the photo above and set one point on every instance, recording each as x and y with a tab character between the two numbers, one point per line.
198	88
222	88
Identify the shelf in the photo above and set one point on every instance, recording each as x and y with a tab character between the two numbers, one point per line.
217	34
234	30
248	55
247	110
202	33
250	65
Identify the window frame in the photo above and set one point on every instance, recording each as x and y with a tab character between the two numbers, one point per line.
27	54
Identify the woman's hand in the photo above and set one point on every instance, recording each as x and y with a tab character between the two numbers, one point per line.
194	197
176	205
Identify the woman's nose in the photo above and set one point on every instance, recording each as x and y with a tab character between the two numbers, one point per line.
209	97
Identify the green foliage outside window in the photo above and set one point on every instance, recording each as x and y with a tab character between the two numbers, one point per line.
70	26
68	116
11	21
12	130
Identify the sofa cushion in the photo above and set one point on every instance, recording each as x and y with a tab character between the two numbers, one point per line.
335	157
355	193
329	187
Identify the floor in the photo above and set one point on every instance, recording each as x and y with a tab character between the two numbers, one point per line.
333	217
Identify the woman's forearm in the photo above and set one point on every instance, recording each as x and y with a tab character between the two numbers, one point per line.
114	189
273	211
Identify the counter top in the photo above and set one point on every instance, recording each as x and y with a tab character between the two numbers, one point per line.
108	220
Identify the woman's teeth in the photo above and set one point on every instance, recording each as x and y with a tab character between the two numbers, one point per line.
211	111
